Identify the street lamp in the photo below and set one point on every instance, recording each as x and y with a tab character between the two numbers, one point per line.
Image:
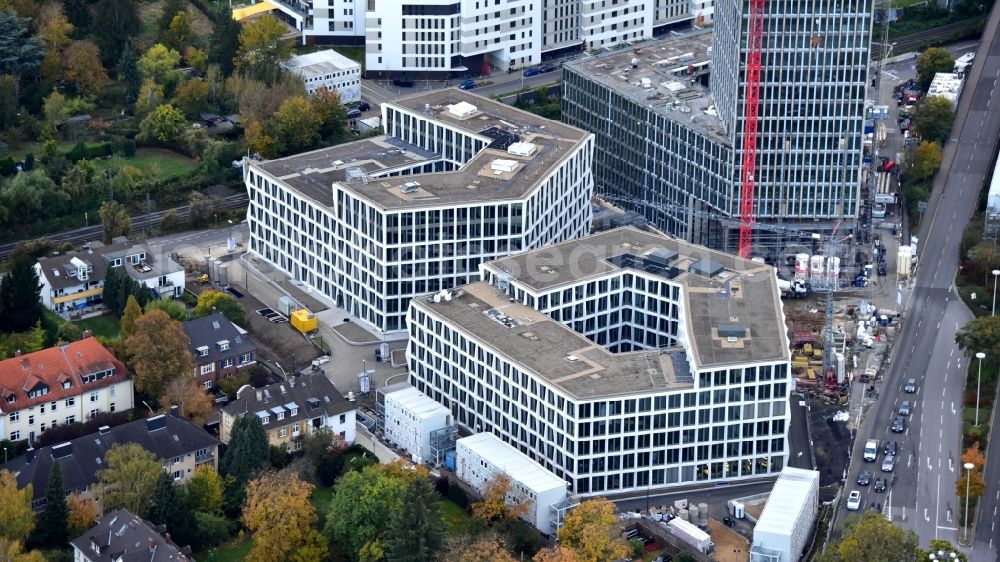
996	273
968	481
979	377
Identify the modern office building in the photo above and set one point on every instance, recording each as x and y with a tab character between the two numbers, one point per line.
327	69
671	147
481	458
620	361
456	180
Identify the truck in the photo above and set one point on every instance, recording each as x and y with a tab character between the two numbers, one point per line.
963	62
794	289
691	535
871	450
885	187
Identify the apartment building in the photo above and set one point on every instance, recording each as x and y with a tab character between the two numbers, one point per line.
480	458
327	69
456	180
620	362
75	280
670	145
60	385
177	443
219	347
291	409
119	536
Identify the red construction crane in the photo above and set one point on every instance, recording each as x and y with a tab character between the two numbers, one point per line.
755	38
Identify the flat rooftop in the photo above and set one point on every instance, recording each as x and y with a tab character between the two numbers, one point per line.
320	63
518	466
361	166
723	296
660	78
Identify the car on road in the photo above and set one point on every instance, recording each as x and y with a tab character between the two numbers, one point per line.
890	447
353	113
904	408
865	478
364	106
871	450
532	71
880	484
854	501
888	463
911	386
467	85
899	426
546	69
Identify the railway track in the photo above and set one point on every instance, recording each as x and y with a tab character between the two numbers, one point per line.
141	224
917	40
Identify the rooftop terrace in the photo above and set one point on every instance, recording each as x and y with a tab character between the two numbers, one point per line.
658	75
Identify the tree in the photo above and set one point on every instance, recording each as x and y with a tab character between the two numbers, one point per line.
78	13
296	127
19	295
555	554
128	73
16	517
487	547
179	32
165	506
119	22
262	48
130	316
26	191
204	491
932	61
158	351
12	551
870	537
418	528
83	514
974	483
225	42
115	221
363	507
54	30
212	301
192	96
329	108
175	309
150	97
19	51
158	61
51	529
937	545
191	399
163	125
129	480
260	141
82	66
933	118
591	531
55	111
926	160
210	529
282	520
980	334
8	102
196	57
493	506
247	452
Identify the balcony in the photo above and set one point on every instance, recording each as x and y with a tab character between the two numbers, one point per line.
201	458
78	295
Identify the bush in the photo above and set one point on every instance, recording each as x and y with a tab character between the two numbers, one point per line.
458	495
231	385
329	467
7	166
277	456
441	485
211	529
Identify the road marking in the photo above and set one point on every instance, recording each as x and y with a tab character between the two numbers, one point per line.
937	508
942	416
929	467
953	408
909	460
947	516
948	365
948	528
939	447
939	323
926	517
942	392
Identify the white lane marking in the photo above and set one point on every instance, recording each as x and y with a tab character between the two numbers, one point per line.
952	354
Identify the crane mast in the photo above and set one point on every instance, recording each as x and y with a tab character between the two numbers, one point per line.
755	38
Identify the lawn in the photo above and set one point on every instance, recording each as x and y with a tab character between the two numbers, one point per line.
168	165
456	520
235	551
105	326
320	498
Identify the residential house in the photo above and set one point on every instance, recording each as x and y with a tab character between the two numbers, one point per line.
180	445
290	409
120	536
59	385
220	348
75	280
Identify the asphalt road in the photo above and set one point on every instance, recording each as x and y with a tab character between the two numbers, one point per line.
921	496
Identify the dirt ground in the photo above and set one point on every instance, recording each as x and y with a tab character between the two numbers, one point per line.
730	546
832	441
755	509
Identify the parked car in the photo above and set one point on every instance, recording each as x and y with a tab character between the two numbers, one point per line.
403	81
890	447
899	426
864	478
364	106
532	71
353	113
467	85
904	408
911	386
880	484
888	463
854	501
546	69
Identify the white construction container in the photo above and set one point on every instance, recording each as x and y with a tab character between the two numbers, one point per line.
904	259
410	418
691	535
788	518
833	268
816	269
801	267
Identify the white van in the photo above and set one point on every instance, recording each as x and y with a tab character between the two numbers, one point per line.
871	450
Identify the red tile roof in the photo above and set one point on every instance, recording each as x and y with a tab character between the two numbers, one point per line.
52	367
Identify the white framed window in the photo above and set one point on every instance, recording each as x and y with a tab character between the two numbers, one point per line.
71	401
54	406
67	384
228	362
70	419
93	413
208	368
207	385
283	432
95	396
14	416
246	358
15	435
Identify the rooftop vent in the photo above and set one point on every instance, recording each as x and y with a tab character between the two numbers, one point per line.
410	187
462	109
521	149
503	165
661	256
732	331
572	358
706	267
